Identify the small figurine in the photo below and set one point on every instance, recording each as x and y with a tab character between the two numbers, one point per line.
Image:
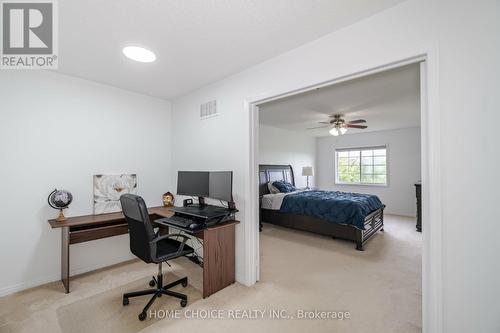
168	199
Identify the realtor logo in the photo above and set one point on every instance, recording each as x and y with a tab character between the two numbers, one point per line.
28	34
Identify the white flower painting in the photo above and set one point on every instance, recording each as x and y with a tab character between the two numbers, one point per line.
109	188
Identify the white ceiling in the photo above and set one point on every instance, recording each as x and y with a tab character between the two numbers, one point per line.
387	100
196	41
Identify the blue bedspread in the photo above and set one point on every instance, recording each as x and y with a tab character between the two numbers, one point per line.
332	206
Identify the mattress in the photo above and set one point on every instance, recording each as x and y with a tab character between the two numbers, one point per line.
274	201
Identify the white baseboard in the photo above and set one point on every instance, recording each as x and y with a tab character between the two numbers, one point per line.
400	214
240	279
4	291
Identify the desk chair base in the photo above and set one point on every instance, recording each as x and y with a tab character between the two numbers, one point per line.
158	292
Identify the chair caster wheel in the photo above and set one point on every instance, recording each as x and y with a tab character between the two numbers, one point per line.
184	284
152	283
142	316
184	302
125	301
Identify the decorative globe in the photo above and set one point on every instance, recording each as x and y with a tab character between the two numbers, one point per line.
60	199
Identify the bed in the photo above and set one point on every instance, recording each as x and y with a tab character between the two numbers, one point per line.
271	212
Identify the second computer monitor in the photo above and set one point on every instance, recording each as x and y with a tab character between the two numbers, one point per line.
211	184
221	185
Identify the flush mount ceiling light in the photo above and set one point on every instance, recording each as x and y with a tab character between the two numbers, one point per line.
138	53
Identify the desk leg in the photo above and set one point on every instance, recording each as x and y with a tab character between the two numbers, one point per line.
65	258
218	259
163	230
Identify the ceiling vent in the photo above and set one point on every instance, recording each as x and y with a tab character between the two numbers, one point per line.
208	109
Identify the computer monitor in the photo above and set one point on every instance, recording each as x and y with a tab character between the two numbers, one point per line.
221	185
193	183
211	184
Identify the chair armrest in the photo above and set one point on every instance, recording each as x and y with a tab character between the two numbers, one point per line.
159	238
181	247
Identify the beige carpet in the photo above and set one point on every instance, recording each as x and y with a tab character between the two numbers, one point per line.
104	312
380	287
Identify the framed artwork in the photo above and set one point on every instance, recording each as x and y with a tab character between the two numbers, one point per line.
109	188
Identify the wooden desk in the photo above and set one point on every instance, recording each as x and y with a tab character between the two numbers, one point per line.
218	244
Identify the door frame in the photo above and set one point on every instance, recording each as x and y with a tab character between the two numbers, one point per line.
432	235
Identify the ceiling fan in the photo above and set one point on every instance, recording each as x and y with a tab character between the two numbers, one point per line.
339	126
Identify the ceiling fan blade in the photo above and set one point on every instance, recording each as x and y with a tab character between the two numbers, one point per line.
357	126
359	121
317	127
324	122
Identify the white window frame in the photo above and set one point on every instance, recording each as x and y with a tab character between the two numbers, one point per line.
335	158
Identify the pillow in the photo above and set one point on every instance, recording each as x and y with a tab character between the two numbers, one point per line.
283	186
272	189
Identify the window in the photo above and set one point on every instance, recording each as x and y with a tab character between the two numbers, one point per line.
362	166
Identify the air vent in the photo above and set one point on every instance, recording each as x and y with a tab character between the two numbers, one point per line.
208	109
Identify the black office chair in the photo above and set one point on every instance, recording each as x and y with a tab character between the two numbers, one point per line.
152	248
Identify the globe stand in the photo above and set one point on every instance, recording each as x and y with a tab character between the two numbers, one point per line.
60	200
61	216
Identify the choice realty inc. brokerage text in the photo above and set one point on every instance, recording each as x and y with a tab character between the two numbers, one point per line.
279	314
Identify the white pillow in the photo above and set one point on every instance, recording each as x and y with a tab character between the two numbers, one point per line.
272	189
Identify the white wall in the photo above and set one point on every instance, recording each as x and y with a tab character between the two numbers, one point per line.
280	146
464	41
403	158
58	131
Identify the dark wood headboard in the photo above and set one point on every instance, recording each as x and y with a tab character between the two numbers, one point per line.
272	172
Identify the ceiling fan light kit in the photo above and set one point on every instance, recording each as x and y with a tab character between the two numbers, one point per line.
334	131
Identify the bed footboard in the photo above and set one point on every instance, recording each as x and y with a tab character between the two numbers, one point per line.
373	223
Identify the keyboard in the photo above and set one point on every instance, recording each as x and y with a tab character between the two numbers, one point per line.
179	221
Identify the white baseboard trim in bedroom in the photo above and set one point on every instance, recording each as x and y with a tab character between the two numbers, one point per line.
402	215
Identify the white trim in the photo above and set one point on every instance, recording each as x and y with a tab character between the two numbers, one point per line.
251	236
433	238
272	96
432	273
363	147
7	290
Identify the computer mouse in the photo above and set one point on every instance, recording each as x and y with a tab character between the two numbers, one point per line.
194	226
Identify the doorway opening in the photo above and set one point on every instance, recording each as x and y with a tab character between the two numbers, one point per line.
426	179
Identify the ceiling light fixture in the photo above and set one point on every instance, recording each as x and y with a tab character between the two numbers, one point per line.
338	126
338	130
138	53
343	129
334	131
